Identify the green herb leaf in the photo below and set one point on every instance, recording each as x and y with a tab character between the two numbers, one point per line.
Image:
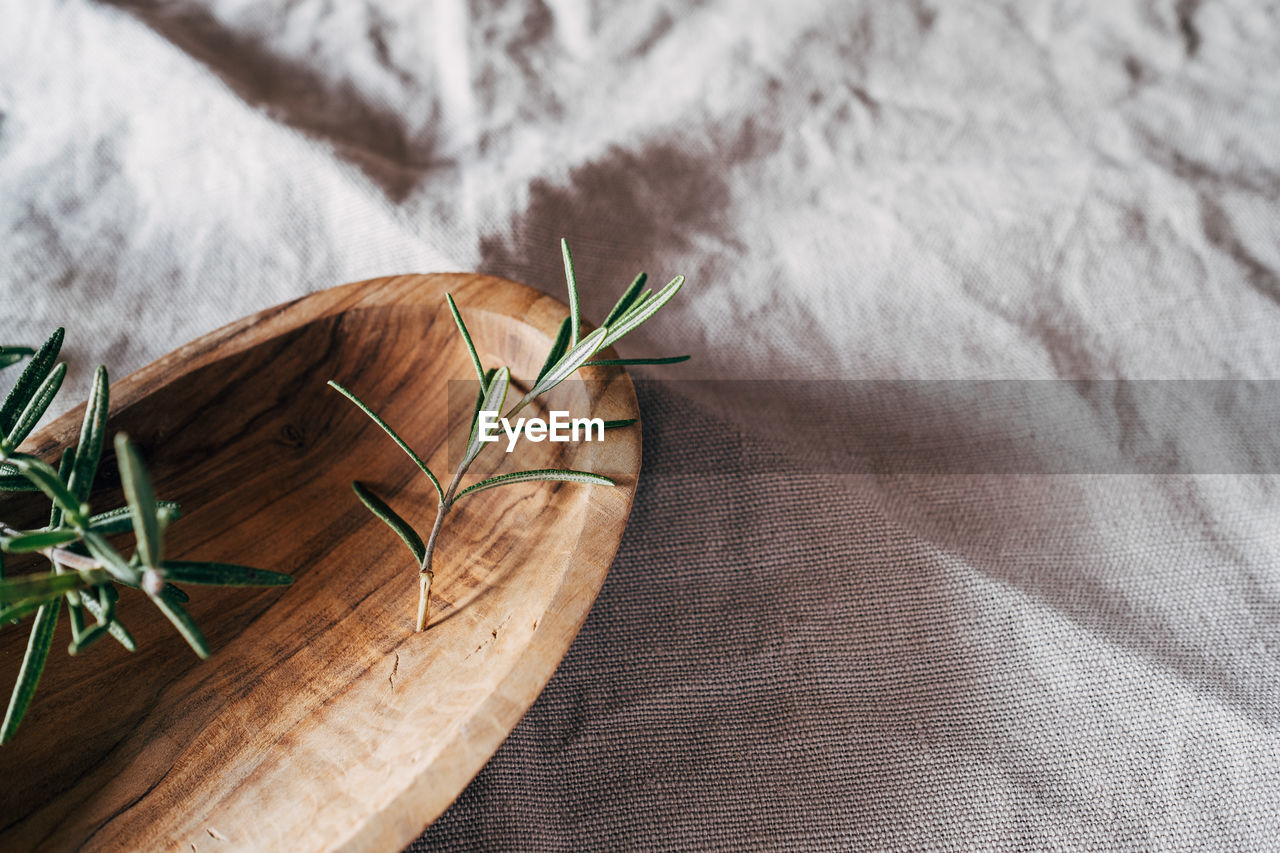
571	279
142	500
114	627
466	337
13	612
76	612
107	598
36	407
28	543
116	565
624	422
82	641
572	360
13	355
48	585
222	574
16	483
494	396
64	469
488	378
400	442
181	620
32	666
12	481
552	474
628	298
608	362
558	348
403	529
120	519
639	303
93	432
40	474
643	312
32	376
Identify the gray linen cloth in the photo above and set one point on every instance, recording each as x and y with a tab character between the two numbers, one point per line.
792	650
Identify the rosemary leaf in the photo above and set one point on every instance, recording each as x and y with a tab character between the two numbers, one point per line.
494	396
643	312
14	612
608	362
488	378
571	279
142	500
114	627
27	543
120	519
40	474
36	407
110	559
64	469
403	529
181	620
624	422
32	376
32	666
47	585
572	360
82	641
92	434
558	349
13	355
639	303
16	483
564	475
221	574
627	299
466	336
107	598
400	442
75	611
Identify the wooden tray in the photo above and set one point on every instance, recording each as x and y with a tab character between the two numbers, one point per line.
322	721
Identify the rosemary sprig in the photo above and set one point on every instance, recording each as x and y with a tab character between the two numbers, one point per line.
569	352
86	568
13	355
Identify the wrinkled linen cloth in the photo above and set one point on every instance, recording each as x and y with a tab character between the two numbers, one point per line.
790	651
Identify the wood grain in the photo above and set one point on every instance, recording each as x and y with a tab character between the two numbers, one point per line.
322	722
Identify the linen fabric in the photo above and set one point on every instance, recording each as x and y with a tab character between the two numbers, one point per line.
791	650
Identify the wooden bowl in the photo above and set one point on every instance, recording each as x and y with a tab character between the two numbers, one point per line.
322	720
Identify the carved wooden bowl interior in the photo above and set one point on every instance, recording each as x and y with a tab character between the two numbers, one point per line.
321	721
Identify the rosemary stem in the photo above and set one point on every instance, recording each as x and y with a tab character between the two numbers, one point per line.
524	401
424	597
59	555
425	575
72	560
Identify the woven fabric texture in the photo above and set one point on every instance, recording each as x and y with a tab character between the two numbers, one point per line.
791	651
